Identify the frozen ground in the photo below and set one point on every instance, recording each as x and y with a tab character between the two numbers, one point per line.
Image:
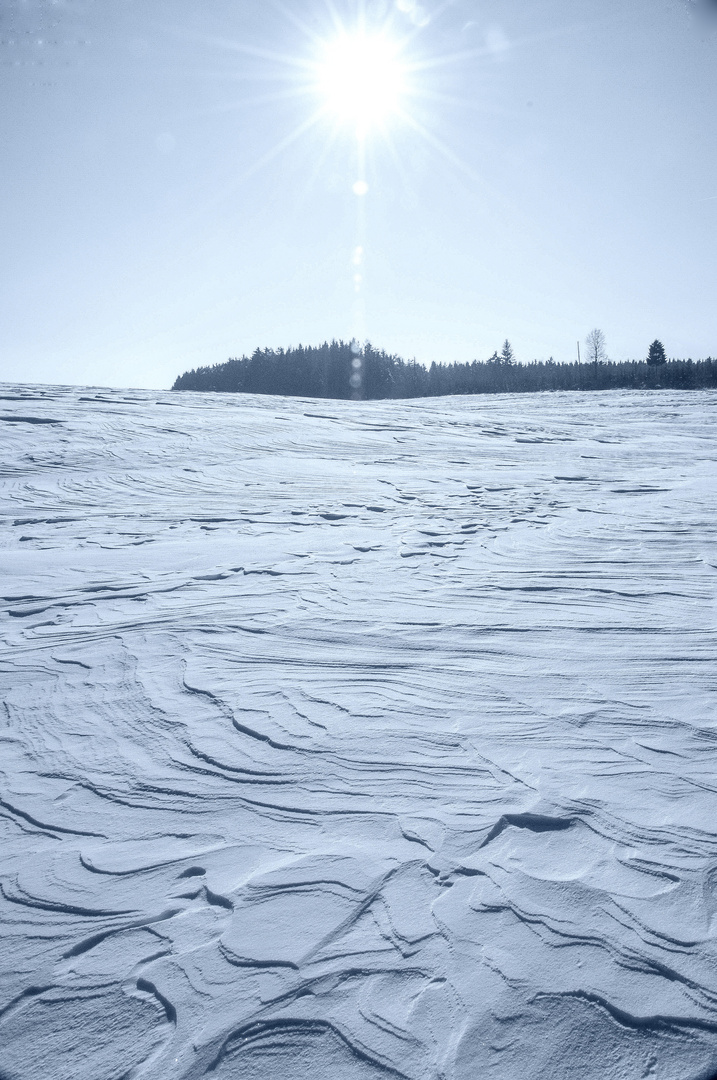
350	741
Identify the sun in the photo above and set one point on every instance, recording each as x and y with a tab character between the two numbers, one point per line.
362	79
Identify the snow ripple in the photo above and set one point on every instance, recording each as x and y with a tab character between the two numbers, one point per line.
358	740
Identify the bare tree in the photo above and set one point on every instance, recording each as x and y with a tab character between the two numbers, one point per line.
595	347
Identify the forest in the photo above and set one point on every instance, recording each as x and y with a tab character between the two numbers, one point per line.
344	370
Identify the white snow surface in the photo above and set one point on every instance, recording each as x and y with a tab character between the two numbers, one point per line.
346	741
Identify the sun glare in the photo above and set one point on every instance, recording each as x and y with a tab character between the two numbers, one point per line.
362	79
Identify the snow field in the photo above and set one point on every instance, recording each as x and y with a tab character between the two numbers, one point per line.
358	740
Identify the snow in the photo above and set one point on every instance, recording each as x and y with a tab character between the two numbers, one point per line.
358	740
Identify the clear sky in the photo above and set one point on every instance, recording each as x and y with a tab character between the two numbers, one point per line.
177	181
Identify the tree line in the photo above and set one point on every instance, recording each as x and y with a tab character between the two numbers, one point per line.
341	369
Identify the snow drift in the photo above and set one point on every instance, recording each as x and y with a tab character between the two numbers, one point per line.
358	740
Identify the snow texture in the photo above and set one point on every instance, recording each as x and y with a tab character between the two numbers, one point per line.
346	741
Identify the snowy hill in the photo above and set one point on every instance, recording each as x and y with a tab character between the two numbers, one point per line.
356	740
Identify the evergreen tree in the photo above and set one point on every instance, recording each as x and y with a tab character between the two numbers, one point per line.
656	355
506	353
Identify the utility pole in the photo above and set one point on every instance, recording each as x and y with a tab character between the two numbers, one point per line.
578	352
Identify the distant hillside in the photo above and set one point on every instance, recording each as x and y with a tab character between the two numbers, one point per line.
338	369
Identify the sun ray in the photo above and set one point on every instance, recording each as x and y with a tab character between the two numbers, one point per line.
437	144
300	24
283	144
329	144
257	51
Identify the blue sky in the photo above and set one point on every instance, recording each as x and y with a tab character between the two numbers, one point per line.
161	206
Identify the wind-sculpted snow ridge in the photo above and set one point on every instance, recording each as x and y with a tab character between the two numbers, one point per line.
347	741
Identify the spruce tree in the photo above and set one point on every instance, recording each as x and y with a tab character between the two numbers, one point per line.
656	355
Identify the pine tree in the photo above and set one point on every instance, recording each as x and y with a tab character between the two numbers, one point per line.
656	355
506	353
